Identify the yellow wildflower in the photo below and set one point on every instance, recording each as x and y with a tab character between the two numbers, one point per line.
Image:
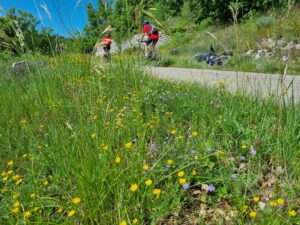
3	174
280	201
273	203
146	167
15	196
10	163
128	145
32	195
252	214
104	147
245	208
24	156
156	191
23	121
123	222
59	210
15	210
27	214
134	187
16	177
170	162
135	221
180	173
182	181
5	178
94	118
9	172
93	135
19	182
194	173
244	146
194	133
35	209
16	205
148	182
292	213
173	132
75	200
255	198
118	159
119	122
45	183
180	137
71	213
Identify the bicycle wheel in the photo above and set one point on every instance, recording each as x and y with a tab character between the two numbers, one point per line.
222	60
200	57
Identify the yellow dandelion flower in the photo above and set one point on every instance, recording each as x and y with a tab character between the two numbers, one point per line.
182	181
16	177
18	182
244	146
180	173
35	209
118	159
292	213
59	210
194	173
75	200
252	214
119	122
135	221
15	210
71	213
32	195
156	191
10	163
173	132
128	145
27	214
9	172
255	198
280	201
24	156
148	182
41	126
273	203
104	147
123	222
5	178
93	135
3	174
45	183
170	162
23	121
111	110
134	187
196	157
180	137
15	196
16	205
145	167
194	133
94	118
245	208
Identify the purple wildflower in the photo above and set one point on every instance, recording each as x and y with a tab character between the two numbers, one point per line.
285	58
211	188
208	149
242	158
185	186
168	166
193	151
234	176
252	151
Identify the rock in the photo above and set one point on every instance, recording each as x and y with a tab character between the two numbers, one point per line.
249	52
297	46
25	66
281	42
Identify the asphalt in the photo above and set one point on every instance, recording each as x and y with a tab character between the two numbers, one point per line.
265	85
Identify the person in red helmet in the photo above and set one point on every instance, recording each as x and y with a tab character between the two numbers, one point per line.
152	36
107	42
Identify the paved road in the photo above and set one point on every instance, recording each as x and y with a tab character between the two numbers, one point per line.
250	83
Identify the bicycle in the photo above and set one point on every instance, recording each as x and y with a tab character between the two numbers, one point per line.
152	54
212	58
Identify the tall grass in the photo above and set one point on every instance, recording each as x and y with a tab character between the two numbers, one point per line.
63	128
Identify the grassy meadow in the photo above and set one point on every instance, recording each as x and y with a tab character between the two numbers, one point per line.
82	144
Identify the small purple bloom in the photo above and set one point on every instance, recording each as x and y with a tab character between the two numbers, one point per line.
186	186
211	188
252	151
285	58
208	149
168	166
242	158
193	151
234	176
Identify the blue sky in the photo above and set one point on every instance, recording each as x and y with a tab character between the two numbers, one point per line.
65	16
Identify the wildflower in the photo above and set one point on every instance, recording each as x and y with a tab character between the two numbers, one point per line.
233	176
128	145
194	173
45	183
15	196
280	201
180	173
173	132
146	167
5	178
23	121
252	214
156	191
242	158
71	213
182	181
292	213
94	118
9	172
196	157
134	187
118	159
35	209
119	122
27	214
273	203
208	149
3	174
75	200
252	151
135	221
10	163
104	147
19	182
148	182
211	188
193	151
16	210
59	210
16	205
194	133
93	135
123	222
244	146
245	208
170	162
262	205
32	195
24	156
185	186
16	177
255	198
180	137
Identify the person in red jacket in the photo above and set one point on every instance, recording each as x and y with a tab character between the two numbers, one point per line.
152	36
107	42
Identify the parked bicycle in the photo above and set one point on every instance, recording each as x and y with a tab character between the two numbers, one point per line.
212	58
